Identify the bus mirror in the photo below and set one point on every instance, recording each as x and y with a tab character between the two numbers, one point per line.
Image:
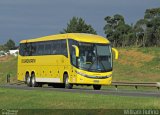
76	49
115	52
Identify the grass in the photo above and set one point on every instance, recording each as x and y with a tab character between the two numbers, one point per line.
8	66
138	65
133	65
31	99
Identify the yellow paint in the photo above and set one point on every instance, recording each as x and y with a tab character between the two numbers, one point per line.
54	66
77	50
82	37
116	52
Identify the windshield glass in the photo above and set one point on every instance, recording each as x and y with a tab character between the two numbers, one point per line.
93	57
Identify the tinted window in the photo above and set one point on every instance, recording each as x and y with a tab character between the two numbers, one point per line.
40	49
72	51
48	48
56	47
34	49
64	47
22	49
25	49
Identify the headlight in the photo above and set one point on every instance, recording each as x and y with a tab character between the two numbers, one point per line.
95	77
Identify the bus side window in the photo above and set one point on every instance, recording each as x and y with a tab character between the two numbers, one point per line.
22	49
73	56
40	49
56	47
33	49
64	48
48	47
72	51
27	49
53	47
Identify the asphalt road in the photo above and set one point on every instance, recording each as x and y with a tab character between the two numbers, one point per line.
89	91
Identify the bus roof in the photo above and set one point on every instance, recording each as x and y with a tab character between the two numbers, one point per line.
82	37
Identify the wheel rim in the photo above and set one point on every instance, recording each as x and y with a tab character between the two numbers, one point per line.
66	82
28	80
97	87
33	81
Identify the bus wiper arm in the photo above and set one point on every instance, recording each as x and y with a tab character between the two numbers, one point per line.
92	64
102	65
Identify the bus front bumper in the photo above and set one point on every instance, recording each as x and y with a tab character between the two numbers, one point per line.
94	81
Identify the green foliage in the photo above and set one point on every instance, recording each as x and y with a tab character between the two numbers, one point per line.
137	65
152	17
10	44
148	29
3	48
29	99
145	33
78	25
119	33
8	66
131	66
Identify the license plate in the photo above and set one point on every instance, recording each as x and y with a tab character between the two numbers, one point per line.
96	81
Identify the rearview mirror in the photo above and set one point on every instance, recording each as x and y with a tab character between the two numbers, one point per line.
115	52
76	49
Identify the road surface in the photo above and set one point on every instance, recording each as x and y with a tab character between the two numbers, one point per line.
119	92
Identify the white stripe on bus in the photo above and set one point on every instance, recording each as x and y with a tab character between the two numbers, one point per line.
50	80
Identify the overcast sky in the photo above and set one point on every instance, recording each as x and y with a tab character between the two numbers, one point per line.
25	19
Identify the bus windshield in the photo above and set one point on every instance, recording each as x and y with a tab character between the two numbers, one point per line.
94	57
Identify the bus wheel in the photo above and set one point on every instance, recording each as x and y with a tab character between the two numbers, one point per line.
39	84
28	81
96	87
33	81
26	76
67	84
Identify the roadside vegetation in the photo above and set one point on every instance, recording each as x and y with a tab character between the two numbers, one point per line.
8	65
144	33
139	61
36	99
133	65
137	65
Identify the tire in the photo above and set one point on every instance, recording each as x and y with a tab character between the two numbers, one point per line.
67	84
39	84
59	85
28	82
62	85
51	85
33	81
26	76
96	87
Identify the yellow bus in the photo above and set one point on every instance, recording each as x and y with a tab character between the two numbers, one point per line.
65	60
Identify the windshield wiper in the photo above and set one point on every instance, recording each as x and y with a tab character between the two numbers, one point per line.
102	65
92	64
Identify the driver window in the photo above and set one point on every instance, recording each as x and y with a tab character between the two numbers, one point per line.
73	56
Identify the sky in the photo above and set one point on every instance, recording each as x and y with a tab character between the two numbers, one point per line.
26	19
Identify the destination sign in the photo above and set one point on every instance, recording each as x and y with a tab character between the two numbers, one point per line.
28	60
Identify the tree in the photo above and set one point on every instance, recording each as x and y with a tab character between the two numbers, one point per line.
152	17
145	33
157	35
147	29
140	31
117	31
78	25
10	44
1	47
